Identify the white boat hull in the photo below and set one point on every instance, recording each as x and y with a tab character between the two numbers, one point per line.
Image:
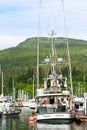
60	117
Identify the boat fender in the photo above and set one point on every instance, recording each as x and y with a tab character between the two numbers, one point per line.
35	119
31	120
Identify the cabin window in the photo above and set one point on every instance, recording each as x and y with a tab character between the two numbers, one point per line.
81	104
77	106
51	100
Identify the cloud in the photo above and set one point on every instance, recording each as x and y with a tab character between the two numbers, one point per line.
19	19
7	41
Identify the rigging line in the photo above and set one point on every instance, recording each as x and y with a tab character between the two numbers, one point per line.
38	40
68	49
47	14
57	16
45	11
0	69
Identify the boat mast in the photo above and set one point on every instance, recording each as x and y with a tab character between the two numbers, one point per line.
33	86
13	89
53	57
68	51
38	45
2	85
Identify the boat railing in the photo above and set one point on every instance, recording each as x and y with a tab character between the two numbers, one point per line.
53	89
51	109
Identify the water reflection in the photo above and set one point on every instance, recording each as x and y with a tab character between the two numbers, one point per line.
72	126
3	126
53	127
9	123
33	127
22	123
82	126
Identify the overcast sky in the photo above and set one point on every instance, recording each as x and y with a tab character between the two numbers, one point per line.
19	20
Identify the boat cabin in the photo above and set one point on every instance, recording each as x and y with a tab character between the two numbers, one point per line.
78	104
53	102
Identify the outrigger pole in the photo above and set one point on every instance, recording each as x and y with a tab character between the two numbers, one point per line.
68	51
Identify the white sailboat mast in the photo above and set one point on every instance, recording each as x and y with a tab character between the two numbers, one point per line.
38	45
33	86
68	51
2	85
13	89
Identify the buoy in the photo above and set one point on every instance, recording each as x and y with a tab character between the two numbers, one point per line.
31	120
35	119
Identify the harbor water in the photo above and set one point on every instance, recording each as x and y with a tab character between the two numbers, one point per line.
22	123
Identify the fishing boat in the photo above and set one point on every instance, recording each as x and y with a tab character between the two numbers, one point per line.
54	101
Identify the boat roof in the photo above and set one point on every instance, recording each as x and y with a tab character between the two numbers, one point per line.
51	94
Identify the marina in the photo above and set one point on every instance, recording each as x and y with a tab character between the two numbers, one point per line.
44	95
22	123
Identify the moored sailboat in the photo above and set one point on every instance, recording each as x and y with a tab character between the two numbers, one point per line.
4	100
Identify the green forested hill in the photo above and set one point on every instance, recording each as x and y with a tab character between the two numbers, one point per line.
20	61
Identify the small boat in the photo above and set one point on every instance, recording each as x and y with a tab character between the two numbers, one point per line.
78	104
4	100
81	114
32	105
11	113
